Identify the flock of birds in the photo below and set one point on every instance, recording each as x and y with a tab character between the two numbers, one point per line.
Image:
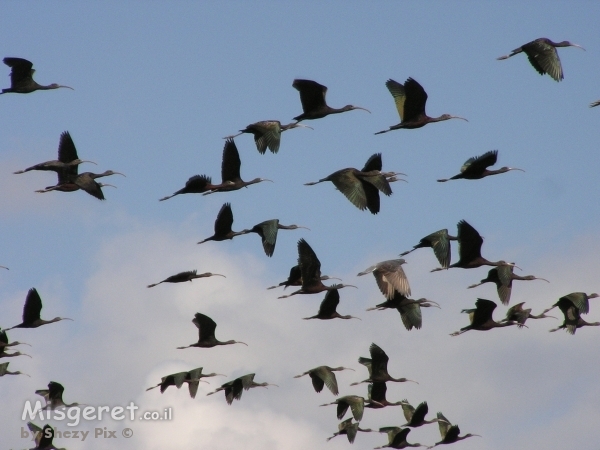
361	188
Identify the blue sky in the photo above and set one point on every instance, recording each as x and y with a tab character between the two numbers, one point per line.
157	87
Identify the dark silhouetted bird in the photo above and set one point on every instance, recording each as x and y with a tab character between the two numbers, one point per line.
327	310
439	241
21	77
476	168
267	231
267	134
192	378
295	278
234	389
32	310
206	333
377	367
450	433
186	276
481	317
312	97
502	277
324	376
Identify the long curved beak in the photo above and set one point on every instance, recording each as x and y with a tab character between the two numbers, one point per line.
303	126
85	160
68	87
458	117
119	173
364	109
515	168
578	46
538	278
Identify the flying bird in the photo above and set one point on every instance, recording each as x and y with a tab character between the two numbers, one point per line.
349	429
377	392
415	417
390	277
186	276
4	370
481	317
295	278
206	333
267	134
32	310
327	310
573	318
267	231
377	367
578	299
223	225
196	184
409	309
4	344
450	433
21	77
410	100
502	277
354	402
312	97
439	241
517	313
362	187
234	389
192	378
594	104
53	396
324	376
43	437
475	168
85	181
310	267
397	438
543	56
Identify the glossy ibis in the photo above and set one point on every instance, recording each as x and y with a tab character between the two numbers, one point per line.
349	429
223	226
502	277
234	389
594	104
310	268
439	241
32	310
397	438
410	100
390	277
475	168
192	378
206	333
481	317
377	392
85	181
53	396
21	77
267	134
577	299
4	344
362	187
450	433
543	56
312	97
324	376
295	278
573	318
517	313
354	402
327	310
377	367
186	276
4	371
196	185
230	171
415	417
267	231
469	249
409	309
43	437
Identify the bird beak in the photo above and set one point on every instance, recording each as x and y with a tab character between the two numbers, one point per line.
578	46
458	117
303	126
537	278
69	87
218	274
306	228
85	160
106	184
119	173
514	168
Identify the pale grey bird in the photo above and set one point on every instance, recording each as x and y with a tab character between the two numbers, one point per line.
390	277
324	376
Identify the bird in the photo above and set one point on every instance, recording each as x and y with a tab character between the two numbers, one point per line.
481	317
475	168
186	276
327	310
85	181
573	318
53	396
192	378
267	231
234	389
390	277
377	367
312	97
415	417
354	402
230	171
4	344
310	267
543	56
439	241
324	376
409	309
4	370
377	400
577	299
410	100
362	187
43	437
67	158
502	277
295	278
21	77
196	184
31	312
594	104
206	333
267	134
469	249
223	226
397	438
450	433
517	314
349	429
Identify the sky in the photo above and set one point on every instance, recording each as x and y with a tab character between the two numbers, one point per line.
157	86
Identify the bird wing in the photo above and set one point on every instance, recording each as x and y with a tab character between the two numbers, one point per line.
357	406
328	377
197	183
477	164
295	275
416	97
21	72
483	311
444	425
399	437
247	380
266	134
441	246
580	300
66	148
312	94
268	233
420	412
224	220
329	303
55	390
452	433
195	373
544	58
517	313
193	388
373	163
371	194
504	288
3	338
206	326
350	186
391	277
342	407
178	378
377	391
317	381
408	410
89	185
37	432
411	315
379	360
230	167
310	266
398	92
469	242
367	363
351	429
33	306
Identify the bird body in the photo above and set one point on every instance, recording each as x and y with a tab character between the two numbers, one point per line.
267	134
476	168
32	310
21	77
377	396
543	56
481	317
312	97
206	333
327	310
223	225
267	231
390	277
439	241
182	277
502	277
234	389
377	367
410	100
324	376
